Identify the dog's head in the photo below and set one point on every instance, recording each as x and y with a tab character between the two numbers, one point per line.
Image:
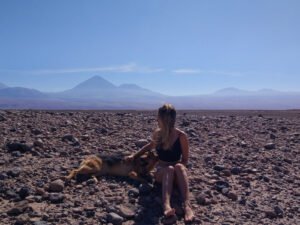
146	162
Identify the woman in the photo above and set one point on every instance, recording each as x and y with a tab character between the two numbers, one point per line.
172	147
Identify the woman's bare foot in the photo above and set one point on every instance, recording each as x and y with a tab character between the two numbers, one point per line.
169	212
189	214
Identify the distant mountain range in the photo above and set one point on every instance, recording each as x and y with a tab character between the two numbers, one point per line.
98	93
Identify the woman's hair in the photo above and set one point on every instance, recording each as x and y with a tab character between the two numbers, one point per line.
167	115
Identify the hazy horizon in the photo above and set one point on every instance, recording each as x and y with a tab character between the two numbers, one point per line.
170	47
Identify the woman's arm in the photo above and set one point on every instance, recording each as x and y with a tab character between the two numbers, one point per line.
185	148
144	149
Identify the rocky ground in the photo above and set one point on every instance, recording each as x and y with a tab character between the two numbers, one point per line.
244	167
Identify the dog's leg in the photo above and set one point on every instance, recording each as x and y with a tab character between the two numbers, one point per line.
72	174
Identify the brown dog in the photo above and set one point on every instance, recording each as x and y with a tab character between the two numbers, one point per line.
137	169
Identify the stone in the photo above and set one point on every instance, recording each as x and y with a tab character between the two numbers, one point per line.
133	192
140	143
24	192
232	196
39	143
40	222
56	186
219	185
126	211
219	167
18	209
56	198
69	137
270	214
2	118
225	190
270	146
114	218
201	199
226	173
36	132
236	170
279	211
16	146
3	176
14	172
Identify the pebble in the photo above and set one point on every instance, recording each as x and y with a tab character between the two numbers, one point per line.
232	196
16	146
201	199
133	192
114	218
236	170
219	167
270	146
56	198
140	143
56	186
126	211
24	192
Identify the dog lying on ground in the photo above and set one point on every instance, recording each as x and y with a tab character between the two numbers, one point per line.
137	169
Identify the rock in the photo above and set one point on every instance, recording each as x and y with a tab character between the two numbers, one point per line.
236	170
270	146
126	211
279	211
219	167
90	211
56	186
24	192
56	198
36	132
14	172
16	146
207	159
16	154
133	192
232	196
226	173
18	209
219	185
11	194
140	143
2	118
225	190
69	137
40	222
243	144
39	143
270	214
114	218
185	123
145	189
201	199
3	176
169	220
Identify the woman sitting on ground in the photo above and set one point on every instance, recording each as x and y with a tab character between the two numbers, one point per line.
172	147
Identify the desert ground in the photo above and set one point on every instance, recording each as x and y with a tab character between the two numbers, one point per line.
244	167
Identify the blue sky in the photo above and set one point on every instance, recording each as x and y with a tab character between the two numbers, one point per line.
170	46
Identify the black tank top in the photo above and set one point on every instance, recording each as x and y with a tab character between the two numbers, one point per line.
170	155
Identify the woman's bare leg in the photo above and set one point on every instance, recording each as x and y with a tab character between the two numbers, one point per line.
166	177
183	185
